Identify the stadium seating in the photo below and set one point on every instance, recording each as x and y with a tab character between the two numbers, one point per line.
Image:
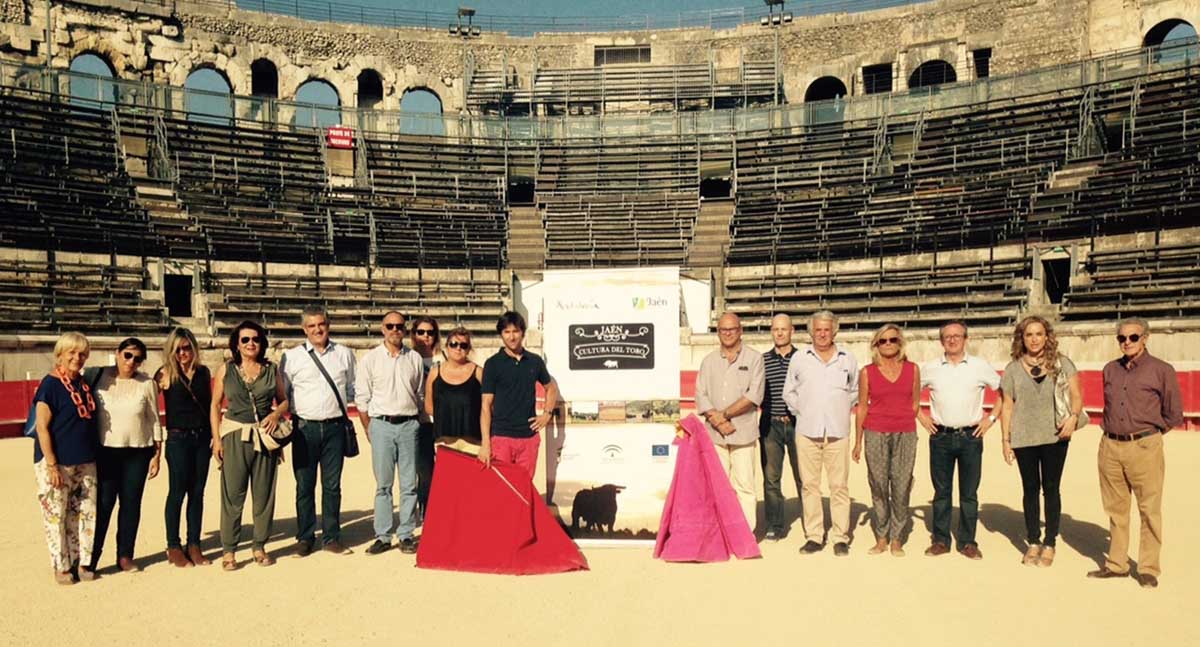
1153	281
52	296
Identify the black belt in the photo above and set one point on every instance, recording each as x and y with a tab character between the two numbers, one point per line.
327	421
787	418
396	420
943	429
1124	438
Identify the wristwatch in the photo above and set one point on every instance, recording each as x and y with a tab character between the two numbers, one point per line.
992	418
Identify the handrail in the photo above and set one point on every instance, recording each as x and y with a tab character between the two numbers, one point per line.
861	110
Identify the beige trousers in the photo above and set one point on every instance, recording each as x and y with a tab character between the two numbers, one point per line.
1134	467
738	462
832	456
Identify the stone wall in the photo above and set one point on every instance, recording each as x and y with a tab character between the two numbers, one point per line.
148	42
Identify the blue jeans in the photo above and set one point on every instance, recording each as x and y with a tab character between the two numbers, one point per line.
945	449
394	447
318	445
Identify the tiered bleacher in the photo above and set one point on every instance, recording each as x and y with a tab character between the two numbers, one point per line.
1152	281
618	202
52	295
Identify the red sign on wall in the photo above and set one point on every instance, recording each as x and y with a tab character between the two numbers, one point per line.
339	137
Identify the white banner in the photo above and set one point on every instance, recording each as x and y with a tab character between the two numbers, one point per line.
612	334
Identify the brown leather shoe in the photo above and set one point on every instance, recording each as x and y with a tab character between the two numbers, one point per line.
1104	574
936	549
126	564
197	556
1147	581
336	548
177	559
971	551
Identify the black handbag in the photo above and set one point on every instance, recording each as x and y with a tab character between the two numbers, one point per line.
350	448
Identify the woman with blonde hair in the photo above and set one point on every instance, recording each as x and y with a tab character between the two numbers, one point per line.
1042	405
64	460
186	385
889	393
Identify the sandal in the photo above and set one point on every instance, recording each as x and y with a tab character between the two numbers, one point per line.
229	562
262	558
1047	557
1032	555
897	549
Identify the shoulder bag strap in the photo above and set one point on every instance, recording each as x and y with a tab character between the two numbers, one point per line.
336	393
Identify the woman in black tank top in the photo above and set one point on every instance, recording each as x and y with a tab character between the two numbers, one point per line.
453	394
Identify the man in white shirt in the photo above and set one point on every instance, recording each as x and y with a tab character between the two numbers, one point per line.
820	390
320	426
956	425
390	392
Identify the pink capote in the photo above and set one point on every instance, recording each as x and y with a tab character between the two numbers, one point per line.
701	520
491	520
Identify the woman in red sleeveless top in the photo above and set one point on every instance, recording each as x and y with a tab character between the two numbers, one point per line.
889	392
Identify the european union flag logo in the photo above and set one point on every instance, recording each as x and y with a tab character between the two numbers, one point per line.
660	450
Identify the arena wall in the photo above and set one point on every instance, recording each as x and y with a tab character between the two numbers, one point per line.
137	38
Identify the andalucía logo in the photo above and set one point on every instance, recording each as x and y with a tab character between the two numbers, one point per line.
611	453
600	347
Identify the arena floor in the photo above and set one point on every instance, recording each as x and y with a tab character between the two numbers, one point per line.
627	598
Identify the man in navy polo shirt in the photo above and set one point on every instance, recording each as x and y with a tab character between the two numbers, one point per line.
509	420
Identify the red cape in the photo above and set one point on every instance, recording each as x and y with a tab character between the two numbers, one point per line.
491	521
701	520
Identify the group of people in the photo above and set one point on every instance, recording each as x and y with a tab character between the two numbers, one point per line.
799	403
99	437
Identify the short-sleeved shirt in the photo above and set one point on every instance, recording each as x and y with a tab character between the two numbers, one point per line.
956	390
75	439
721	382
513	383
1033	404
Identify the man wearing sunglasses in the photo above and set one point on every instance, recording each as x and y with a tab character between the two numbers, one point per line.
956	423
389	390
1142	402
322	425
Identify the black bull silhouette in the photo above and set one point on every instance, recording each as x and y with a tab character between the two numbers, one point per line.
597	507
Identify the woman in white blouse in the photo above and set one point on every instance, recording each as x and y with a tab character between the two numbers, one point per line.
130	447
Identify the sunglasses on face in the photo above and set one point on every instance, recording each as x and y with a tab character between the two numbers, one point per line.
393	326
423	332
459	344
183	349
137	359
255	340
1133	339
888	340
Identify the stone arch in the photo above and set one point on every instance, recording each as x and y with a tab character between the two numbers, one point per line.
370	90
204	101
318	103
264	78
122	66
1168	30
824	89
421	100
85	89
931	73
236	73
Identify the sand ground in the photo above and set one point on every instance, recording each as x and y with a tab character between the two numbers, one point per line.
627	598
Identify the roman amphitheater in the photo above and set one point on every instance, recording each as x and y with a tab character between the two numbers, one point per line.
917	163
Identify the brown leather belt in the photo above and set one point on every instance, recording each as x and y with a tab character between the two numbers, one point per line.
1124	438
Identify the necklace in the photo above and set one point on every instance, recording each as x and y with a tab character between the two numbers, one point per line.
1034	369
85	404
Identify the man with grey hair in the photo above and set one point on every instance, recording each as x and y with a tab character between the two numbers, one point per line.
729	388
777	427
1142	401
820	390
321	423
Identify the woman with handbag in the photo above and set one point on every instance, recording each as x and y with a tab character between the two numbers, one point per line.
64	460
186	385
1042	408
247	439
130	447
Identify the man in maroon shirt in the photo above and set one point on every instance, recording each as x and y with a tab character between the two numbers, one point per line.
1141	403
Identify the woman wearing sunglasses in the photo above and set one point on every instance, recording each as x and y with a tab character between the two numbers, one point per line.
186	386
453	394
130	447
1034	384
889	394
256	398
64	460
425	340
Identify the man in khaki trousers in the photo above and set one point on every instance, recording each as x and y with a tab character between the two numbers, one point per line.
1142	402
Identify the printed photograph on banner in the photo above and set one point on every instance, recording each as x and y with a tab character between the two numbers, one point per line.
662	411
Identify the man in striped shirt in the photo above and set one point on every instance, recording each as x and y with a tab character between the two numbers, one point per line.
777	427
